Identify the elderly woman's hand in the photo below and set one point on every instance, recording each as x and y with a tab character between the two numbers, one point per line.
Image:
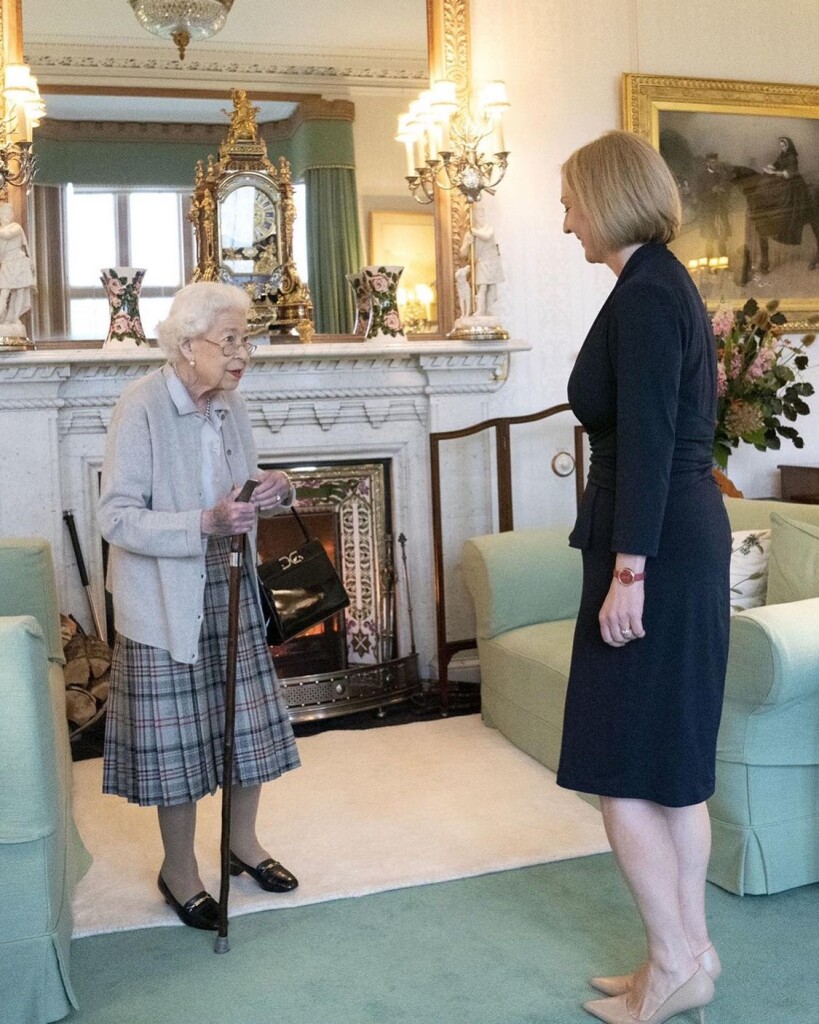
273	491
229	517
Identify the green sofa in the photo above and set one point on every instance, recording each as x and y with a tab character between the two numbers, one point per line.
765	811
41	854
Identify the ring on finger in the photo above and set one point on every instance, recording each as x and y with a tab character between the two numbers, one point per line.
627	634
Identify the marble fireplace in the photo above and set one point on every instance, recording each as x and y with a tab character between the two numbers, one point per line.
365	403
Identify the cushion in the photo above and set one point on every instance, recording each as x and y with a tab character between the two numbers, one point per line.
749	568
793	573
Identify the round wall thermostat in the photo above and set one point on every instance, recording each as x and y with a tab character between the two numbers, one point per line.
563	464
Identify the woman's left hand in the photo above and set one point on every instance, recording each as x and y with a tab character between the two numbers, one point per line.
273	489
621	615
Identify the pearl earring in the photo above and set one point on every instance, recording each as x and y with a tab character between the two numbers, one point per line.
193	362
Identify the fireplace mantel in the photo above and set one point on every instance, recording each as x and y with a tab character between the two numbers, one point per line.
318	402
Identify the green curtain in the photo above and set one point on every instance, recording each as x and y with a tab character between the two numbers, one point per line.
333	245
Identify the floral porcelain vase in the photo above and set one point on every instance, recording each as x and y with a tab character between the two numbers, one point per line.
363	303
122	286
382	283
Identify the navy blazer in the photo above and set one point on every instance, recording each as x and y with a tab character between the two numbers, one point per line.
645	387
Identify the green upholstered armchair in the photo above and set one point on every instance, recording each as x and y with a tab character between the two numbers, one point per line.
41	854
765	811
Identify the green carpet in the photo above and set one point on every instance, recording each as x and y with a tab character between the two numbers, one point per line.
509	948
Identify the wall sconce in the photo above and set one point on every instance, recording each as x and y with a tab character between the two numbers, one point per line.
451	147
24	109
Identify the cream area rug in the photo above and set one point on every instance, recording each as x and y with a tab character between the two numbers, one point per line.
369	810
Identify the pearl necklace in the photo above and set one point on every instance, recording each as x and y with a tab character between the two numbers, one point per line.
206	413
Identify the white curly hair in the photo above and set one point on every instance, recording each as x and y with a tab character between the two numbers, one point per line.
194	310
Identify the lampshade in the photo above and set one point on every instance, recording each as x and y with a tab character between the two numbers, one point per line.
183	21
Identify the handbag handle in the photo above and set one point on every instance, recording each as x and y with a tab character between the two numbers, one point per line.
301	524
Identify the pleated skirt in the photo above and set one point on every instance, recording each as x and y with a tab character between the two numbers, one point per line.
641	721
165	720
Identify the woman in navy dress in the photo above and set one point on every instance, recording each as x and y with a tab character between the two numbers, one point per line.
650	648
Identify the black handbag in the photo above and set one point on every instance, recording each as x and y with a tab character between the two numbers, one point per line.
299	590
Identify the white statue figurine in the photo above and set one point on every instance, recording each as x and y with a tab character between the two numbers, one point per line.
16	274
464	290
476	318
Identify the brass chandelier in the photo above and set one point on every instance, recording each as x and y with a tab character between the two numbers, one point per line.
183	21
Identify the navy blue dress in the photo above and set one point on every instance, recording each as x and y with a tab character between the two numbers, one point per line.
641	720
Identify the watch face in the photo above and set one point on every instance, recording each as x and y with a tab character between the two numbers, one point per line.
625	576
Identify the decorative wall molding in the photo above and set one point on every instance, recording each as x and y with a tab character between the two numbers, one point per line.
54	61
310	108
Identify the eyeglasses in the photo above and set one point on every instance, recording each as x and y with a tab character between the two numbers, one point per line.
230	348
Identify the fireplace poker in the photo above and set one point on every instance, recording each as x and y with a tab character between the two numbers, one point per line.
402	540
68	516
237	553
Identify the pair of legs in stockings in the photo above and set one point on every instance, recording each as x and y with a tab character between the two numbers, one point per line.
177	825
663	854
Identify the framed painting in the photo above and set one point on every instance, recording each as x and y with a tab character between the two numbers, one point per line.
407	240
746	158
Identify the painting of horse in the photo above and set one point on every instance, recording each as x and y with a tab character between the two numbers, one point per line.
778	209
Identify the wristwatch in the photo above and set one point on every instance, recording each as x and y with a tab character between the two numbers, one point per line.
628	576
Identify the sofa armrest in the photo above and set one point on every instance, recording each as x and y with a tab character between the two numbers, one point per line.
771	709
27	572
30	801
774	654
521	577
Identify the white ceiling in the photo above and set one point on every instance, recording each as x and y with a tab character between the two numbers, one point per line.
80	42
333	25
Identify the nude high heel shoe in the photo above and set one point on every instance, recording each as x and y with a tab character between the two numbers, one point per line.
694	994
618	984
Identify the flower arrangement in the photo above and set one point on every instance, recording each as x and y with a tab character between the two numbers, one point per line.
759	379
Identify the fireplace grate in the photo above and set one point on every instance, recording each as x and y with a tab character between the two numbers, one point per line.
358	688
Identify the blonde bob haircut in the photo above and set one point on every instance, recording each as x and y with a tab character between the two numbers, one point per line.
626	191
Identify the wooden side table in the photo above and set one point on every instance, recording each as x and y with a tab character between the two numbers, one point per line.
800	483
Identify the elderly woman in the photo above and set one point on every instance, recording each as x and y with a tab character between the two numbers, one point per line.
650	649
179	449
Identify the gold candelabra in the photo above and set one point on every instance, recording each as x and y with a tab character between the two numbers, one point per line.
452	147
23	110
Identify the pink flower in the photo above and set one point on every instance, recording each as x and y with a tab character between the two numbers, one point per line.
121	324
379	283
392	321
114	286
722	380
761	365
722	322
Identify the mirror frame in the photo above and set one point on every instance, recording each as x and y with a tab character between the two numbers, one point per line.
448	46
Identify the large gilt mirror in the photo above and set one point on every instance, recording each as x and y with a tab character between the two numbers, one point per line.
115	82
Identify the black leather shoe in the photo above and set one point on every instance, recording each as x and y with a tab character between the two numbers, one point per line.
201	910
270	875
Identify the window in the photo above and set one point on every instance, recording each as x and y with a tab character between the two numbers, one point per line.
125	229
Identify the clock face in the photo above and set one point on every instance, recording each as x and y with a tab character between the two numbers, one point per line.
264	218
248	231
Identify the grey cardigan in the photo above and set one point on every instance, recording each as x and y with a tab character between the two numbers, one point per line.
150	512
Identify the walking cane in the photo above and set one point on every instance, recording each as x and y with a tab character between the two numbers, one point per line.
68	517
237	552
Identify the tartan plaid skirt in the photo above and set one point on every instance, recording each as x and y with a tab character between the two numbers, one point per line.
165	719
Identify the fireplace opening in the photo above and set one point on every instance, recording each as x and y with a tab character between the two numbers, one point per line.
322	648
351	662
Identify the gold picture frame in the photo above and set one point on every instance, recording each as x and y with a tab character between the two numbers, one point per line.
743	123
404	239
